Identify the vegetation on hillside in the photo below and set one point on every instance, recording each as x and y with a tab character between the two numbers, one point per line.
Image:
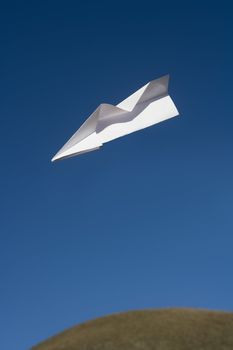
165	329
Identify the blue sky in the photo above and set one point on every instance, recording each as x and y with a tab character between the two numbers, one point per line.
147	220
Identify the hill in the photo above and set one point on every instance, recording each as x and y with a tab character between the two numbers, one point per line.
163	329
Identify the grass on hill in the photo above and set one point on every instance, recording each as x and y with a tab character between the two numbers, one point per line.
163	329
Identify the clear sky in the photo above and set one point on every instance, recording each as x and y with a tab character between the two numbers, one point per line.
147	221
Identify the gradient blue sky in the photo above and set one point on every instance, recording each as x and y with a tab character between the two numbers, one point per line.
147	221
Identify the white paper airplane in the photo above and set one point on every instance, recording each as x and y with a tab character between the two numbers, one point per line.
147	106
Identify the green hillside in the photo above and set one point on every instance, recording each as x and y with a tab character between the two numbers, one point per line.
165	329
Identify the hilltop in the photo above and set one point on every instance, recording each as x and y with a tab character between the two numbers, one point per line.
163	329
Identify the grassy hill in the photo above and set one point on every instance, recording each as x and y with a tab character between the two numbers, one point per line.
165	329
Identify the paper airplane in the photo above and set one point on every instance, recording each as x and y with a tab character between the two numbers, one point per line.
147	106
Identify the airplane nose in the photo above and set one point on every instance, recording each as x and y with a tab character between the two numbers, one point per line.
54	159
57	156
